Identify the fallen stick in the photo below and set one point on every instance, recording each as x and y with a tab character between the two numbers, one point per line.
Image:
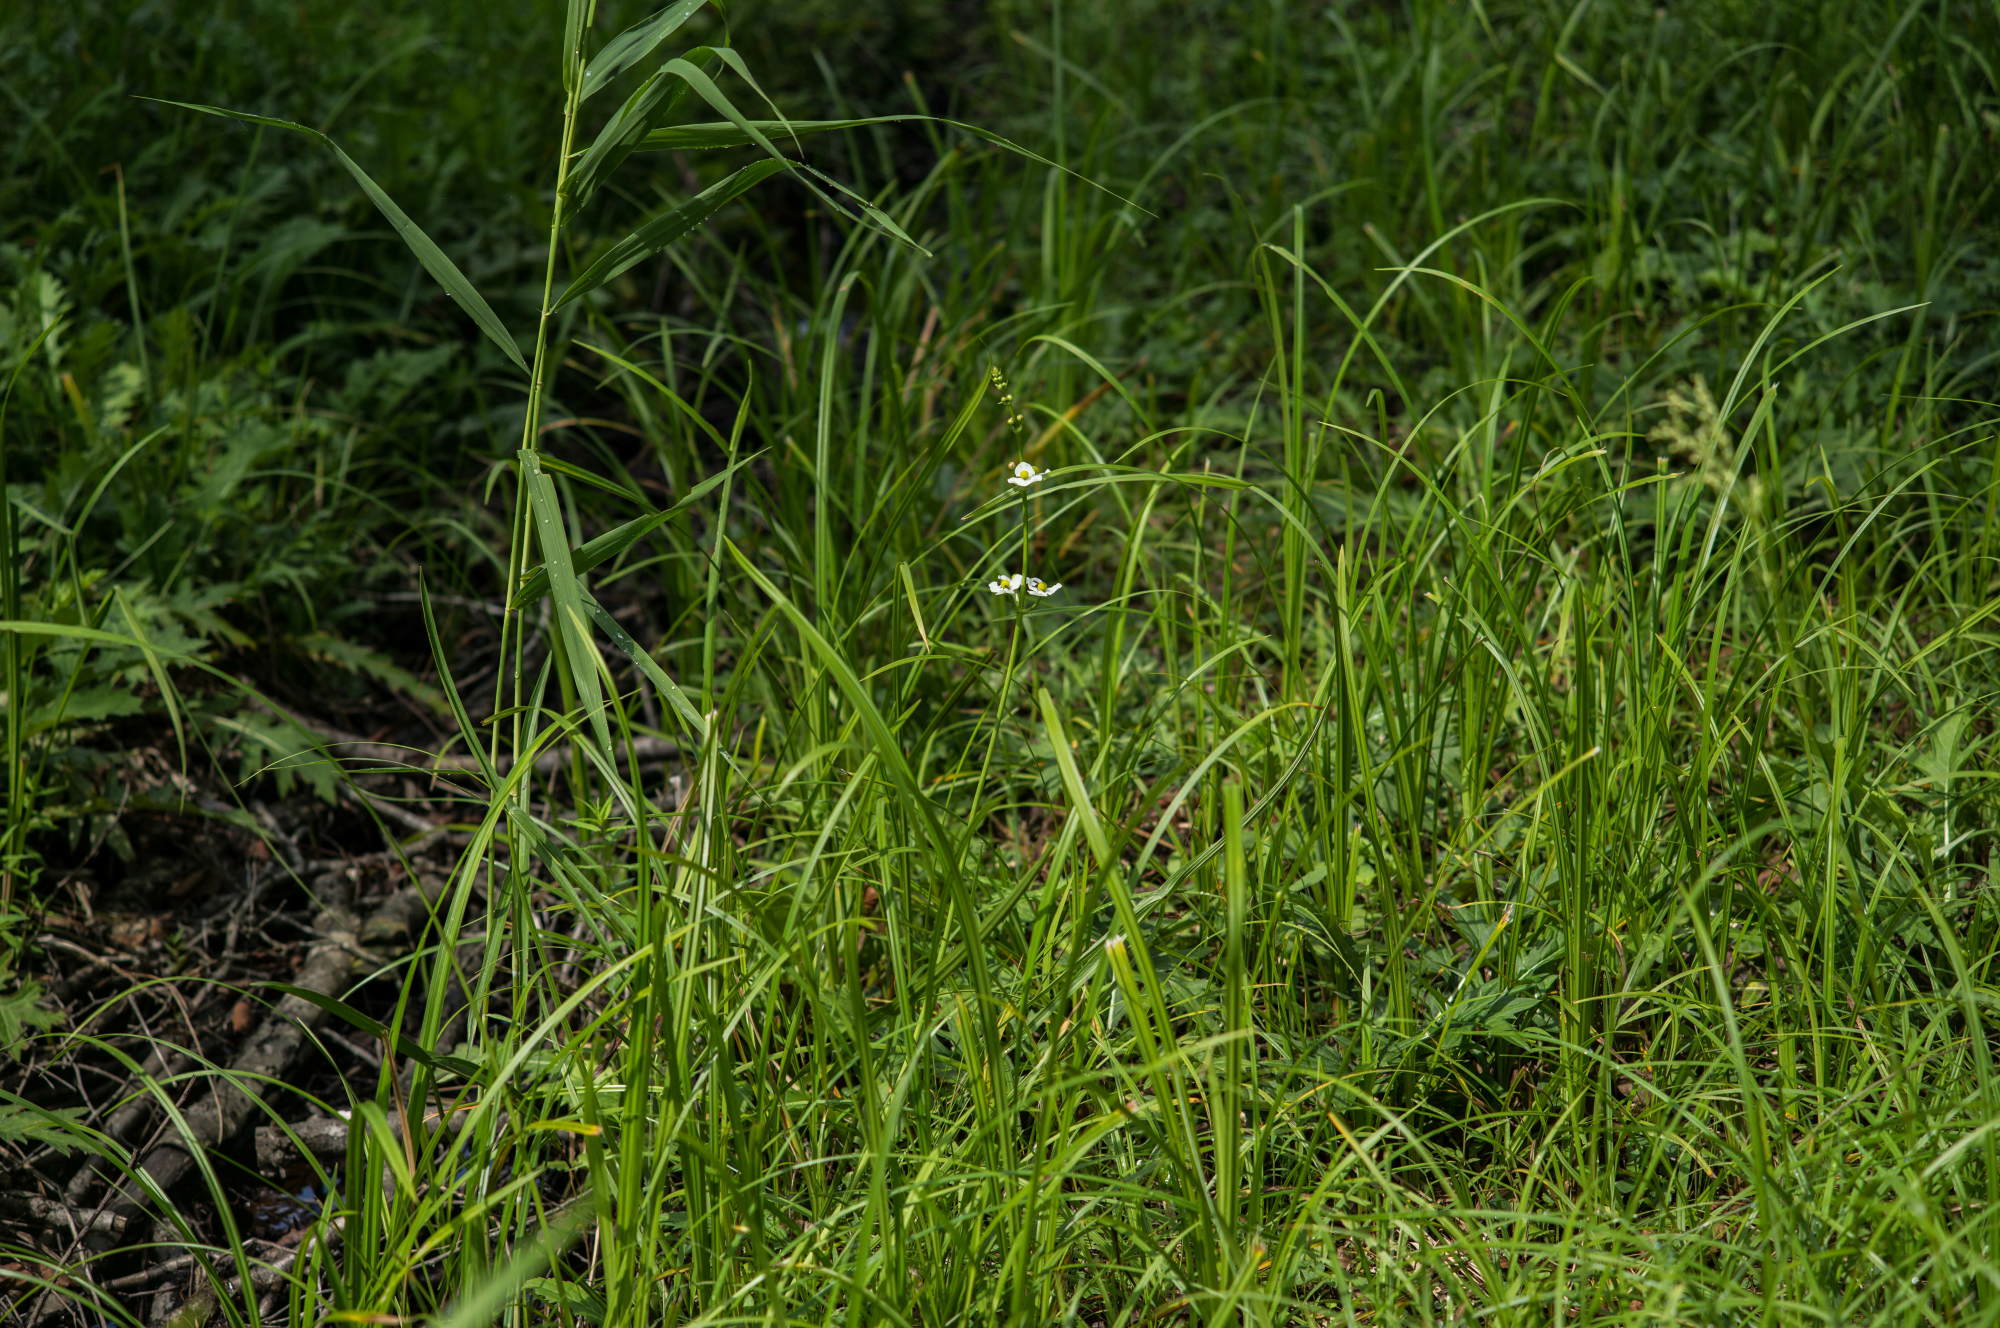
72	1219
200	1306
225	1105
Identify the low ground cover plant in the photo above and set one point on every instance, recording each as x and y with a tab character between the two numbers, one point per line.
1337	673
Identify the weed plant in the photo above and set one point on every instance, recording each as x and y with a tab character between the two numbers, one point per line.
1496	824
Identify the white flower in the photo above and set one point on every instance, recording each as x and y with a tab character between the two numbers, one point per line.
1025	474
1007	584
1041	589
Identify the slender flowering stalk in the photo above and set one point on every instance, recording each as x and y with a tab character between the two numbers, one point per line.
1022	475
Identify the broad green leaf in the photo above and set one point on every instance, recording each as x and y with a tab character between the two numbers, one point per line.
571	614
662	231
442	269
657	97
634	44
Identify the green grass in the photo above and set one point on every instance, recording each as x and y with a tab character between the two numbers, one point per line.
1496	826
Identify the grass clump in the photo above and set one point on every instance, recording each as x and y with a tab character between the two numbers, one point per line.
1493	825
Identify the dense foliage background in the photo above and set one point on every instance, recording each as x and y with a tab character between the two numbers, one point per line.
1496	824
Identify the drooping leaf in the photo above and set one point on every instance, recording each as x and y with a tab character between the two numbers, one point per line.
434	260
705	88
645	663
729	134
634	44
666	228
656	98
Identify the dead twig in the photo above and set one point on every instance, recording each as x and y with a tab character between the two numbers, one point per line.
225	1104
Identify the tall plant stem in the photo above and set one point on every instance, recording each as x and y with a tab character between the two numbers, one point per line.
513	633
